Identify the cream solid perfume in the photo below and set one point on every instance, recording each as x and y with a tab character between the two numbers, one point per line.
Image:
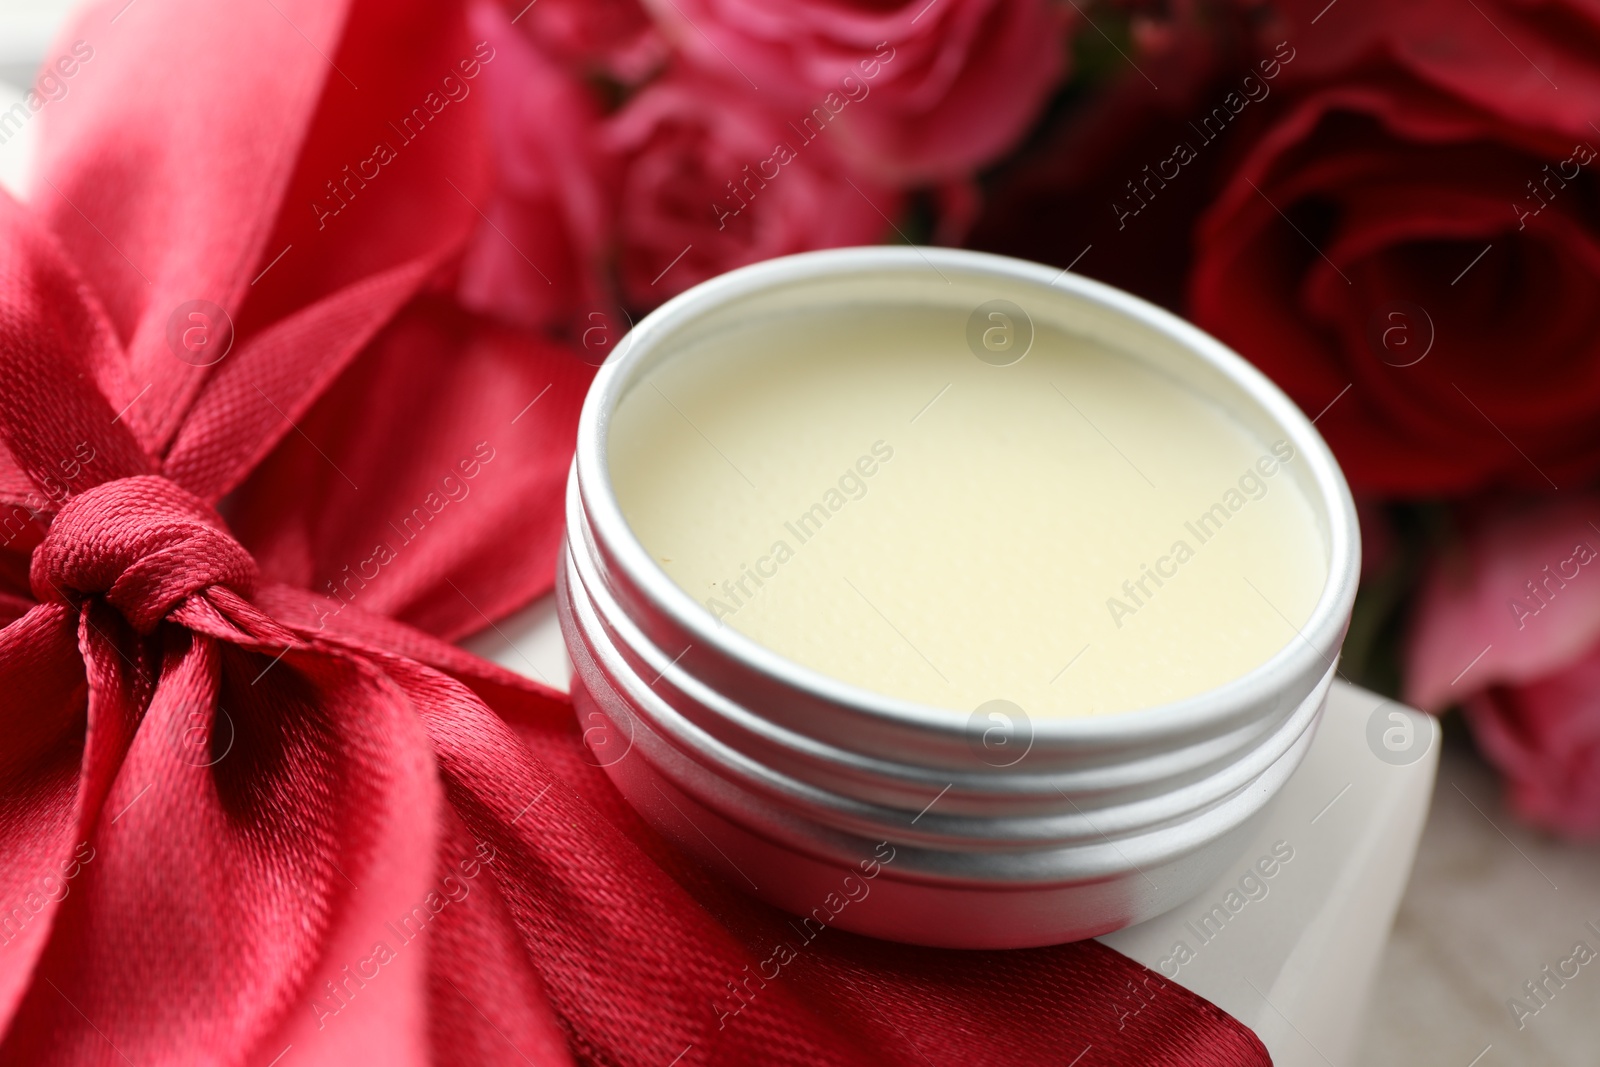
1075	532
1005	583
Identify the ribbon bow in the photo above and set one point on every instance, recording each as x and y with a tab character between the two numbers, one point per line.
253	807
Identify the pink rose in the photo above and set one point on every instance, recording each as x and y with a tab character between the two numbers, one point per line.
536	257
1509	626
917	91
1545	738
712	181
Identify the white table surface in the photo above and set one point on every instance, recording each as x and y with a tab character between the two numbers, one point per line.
1490	903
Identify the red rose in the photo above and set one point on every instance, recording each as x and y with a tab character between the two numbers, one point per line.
1545	738
712	181
918	91
1413	219
536	256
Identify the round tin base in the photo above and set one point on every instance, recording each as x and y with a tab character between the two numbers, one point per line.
873	898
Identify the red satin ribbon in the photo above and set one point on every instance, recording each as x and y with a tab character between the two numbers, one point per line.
252	808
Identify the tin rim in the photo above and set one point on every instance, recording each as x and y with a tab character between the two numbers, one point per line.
1010	827
1316	642
747	739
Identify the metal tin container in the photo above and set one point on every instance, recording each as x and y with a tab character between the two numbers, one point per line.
900	820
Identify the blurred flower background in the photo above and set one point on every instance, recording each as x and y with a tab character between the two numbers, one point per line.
1390	208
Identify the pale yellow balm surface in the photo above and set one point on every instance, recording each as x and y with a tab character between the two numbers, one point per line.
1076	533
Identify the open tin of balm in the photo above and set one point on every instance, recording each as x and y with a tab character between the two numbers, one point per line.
949	598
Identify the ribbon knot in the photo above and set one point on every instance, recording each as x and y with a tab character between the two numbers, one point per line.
145	544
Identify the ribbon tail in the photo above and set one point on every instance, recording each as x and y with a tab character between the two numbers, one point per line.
42	719
509	693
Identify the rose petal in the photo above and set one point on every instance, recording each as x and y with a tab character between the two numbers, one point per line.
1476	622
1545	738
